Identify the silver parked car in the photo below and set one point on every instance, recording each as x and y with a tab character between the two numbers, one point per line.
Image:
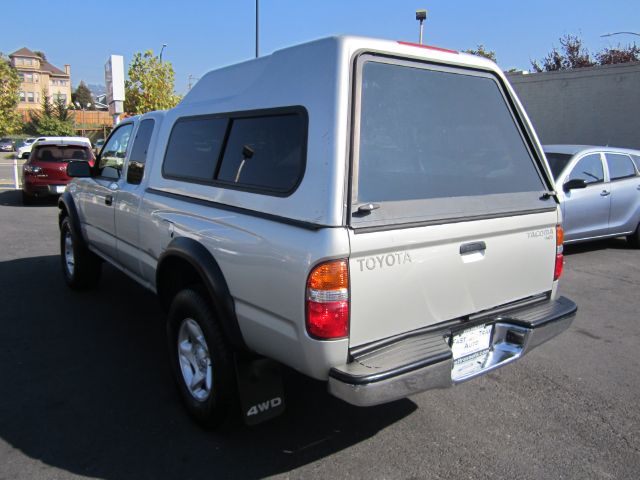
599	191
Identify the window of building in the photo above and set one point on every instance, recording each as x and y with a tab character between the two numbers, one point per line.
22	97
28	77
30	97
36	78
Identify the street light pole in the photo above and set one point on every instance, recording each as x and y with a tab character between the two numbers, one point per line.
191	77
421	16
162	50
257	29
620	33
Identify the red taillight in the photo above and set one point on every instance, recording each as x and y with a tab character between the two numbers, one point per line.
328	300
559	255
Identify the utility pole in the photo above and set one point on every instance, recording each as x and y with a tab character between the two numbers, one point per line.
162	50
191	77
421	16
256	28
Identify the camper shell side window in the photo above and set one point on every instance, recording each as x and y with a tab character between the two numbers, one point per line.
260	151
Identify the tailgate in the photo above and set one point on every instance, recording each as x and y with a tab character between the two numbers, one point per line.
450	210
403	280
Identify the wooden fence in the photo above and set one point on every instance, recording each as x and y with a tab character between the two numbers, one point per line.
87	123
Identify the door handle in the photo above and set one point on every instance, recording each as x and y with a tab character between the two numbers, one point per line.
472	247
604	193
108	200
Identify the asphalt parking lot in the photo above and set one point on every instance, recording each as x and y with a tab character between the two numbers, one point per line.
86	391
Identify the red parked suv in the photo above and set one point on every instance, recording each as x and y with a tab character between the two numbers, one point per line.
45	173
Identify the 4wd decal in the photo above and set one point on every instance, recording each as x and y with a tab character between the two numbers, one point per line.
264	406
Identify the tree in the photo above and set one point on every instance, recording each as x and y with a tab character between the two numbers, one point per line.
83	96
52	121
9	88
482	52
572	54
41	54
619	54
150	85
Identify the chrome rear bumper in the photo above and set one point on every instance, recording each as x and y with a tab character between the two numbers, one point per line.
424	361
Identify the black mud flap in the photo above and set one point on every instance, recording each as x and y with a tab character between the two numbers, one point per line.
260	388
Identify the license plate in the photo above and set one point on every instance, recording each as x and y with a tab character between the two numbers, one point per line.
60	188
470	349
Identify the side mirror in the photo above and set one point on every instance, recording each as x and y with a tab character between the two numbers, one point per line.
135	172
78	169
574	184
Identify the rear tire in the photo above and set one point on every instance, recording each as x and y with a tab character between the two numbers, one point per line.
634	238
81	267
201	359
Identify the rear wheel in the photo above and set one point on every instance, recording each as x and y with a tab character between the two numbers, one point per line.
634	238
81	267
201	358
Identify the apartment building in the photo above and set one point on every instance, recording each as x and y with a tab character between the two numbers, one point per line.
37	75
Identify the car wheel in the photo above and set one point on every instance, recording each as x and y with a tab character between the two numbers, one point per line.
27	199
81	267
201	359
634	238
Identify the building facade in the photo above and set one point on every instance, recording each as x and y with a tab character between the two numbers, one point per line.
584	106
38	77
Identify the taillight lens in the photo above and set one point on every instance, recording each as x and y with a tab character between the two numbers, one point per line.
328	300
559	255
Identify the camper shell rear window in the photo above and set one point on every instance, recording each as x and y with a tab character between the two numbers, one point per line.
433	143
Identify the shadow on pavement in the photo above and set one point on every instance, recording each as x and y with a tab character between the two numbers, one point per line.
614	243
86	388
13	198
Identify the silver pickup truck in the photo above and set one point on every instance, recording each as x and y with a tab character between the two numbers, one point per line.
374	214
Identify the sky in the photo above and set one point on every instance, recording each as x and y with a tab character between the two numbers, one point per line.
203	35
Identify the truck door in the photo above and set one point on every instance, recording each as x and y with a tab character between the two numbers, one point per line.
625	193
128	197
586	210
98	194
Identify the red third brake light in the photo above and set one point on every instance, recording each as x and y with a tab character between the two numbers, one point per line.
328	300
559	255
428	47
